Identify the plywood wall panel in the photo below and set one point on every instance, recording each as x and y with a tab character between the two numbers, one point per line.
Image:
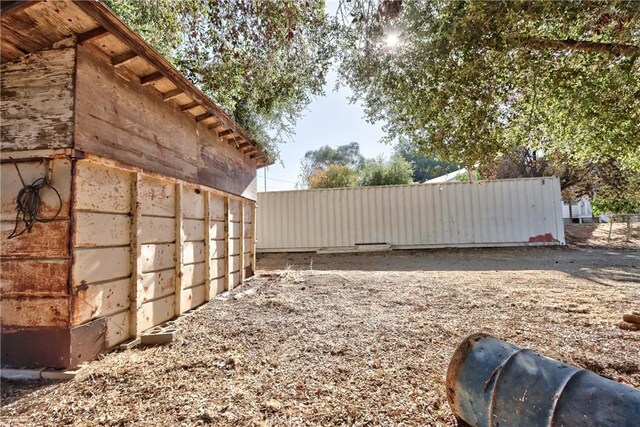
102	188
100	264
117	329
156	197
192	203
98	300
193	252
157	257
95	229
155	312
193	229
192	297
155	229
193	275
157	284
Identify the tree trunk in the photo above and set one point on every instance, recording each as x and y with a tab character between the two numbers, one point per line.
570	211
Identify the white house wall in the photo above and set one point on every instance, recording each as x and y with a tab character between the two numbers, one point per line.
487	213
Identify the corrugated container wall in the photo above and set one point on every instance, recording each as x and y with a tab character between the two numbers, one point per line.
487	213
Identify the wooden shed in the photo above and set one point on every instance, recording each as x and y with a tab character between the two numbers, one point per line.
157	186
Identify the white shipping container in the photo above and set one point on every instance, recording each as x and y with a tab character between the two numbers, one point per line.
508	212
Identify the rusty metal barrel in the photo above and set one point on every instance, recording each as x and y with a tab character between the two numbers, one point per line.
493	383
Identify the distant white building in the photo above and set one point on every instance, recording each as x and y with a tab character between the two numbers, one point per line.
580	211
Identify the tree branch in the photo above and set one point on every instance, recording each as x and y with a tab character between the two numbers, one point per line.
583	46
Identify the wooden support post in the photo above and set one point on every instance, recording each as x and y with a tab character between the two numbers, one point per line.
179	248
135	292
227	242
207	246
242	266
254	212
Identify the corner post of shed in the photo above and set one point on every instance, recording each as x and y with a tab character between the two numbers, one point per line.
179	249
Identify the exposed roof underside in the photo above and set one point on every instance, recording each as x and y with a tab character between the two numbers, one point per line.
29	26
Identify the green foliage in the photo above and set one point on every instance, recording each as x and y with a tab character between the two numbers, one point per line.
378	172
602	204
424	167
471	79
333	176
260	60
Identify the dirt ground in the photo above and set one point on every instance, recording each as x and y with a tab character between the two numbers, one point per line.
353	340
598	235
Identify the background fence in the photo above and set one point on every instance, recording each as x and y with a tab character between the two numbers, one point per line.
487	213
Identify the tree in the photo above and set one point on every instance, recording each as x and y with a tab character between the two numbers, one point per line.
334	176
424	167
380	172
260	60
468	80
318	160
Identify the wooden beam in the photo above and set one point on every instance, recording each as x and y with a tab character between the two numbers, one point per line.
151	78
135	293
123	59
244	144
242	266
167	96
92	35
253	236
227	241
225	133
189	106
215	124
203	116
179	234
207	247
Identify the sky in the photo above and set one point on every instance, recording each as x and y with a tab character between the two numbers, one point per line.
328	120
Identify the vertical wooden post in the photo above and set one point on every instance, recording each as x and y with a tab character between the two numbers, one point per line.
227	242
179	247
135	292
254	216
242	266
207	247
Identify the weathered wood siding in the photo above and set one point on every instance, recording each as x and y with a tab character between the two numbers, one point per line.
148	249
35	265
119	119
37	100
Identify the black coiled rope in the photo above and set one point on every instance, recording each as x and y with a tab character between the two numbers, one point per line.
28	204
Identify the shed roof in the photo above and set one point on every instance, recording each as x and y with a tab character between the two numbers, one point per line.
29	26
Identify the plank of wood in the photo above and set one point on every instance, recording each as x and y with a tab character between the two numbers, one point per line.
155	312
157	229
168	96
135	288
37	100
95	229
193	275
46	240
193	203
241	241
34	278
218	248
92	35
33	312
216	230
158	284
203	116
151	78
207	246
254	216
157	197
157	256
228	284
193	252
194	230
123	59
100	264
193	297
189	106
101	299
179	246
225	133
117	329
102	188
